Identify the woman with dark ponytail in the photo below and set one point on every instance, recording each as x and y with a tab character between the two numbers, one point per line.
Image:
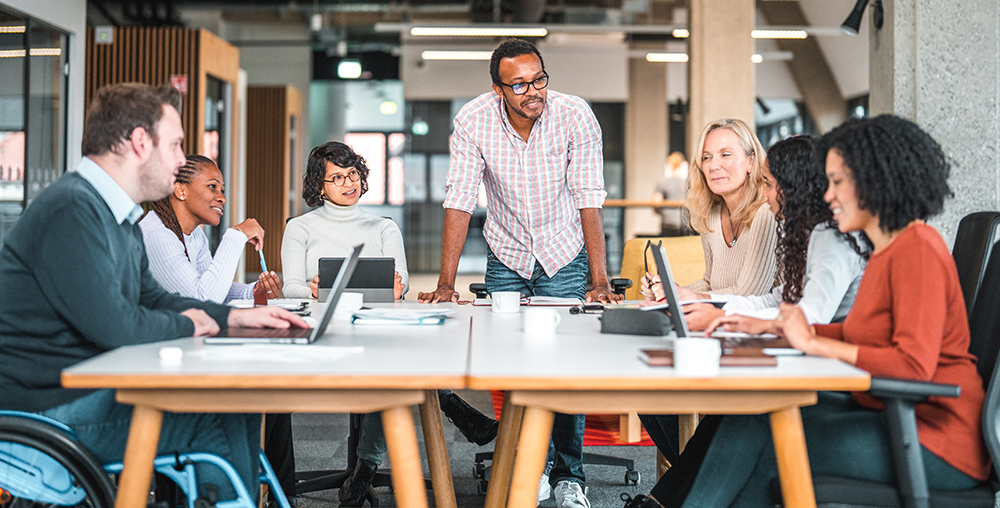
177	248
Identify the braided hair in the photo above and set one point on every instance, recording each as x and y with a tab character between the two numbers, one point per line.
801	183
194	165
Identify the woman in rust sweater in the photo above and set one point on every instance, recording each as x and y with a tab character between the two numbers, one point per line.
908	321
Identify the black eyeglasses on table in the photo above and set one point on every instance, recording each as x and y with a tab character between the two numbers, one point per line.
522	88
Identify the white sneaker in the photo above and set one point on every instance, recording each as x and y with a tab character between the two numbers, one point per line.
570	495
544	489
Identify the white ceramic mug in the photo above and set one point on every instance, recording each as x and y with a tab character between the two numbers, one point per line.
696	357
540	321
506	302
348	303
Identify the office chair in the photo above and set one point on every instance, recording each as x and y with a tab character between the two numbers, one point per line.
901	397
977	234
44	465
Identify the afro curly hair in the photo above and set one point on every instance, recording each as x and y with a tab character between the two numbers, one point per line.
900	173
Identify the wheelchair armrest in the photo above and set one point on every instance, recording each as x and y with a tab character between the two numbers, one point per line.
618	286
912	391
479	288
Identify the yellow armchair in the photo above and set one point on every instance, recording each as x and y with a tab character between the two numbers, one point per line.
687	261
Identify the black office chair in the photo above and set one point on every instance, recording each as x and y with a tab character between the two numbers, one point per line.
481	471
977	234
901	397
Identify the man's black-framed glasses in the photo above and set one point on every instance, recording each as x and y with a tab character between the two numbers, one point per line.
338	180
522	88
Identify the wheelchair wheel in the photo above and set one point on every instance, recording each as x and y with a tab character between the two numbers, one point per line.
41	465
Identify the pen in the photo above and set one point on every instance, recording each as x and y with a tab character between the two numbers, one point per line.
263	265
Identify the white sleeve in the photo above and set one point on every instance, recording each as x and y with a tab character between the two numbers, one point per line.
177	274
761	307
293	260
831	267
392	246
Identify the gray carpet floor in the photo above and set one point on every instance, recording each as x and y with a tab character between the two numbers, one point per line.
321	443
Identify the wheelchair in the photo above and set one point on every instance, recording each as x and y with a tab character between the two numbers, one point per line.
42	464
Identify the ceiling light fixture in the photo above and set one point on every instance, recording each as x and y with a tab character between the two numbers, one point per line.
19	53
349	69
12	29
460	31
779	34
456	55
680	33
667	57
853	22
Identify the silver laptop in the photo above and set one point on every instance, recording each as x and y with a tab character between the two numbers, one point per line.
292	335
374	278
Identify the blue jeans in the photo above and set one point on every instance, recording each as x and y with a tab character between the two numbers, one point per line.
566	447
843	439
102	425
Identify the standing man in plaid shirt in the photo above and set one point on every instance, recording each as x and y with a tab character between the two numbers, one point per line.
539	153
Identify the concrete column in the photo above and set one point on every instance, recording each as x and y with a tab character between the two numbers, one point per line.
646	142
937	64
720	73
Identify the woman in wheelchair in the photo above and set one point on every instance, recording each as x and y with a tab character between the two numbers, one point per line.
885	177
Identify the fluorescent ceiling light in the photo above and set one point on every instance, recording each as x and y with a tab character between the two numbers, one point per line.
779	34
667	57
12	29
19	53
681	33
456	55
349	69
756	58
464	31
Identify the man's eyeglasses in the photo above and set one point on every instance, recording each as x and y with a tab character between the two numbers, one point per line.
338	180
522	88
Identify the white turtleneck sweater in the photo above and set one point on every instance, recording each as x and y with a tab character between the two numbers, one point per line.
331	231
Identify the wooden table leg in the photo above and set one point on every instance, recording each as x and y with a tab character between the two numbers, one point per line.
401	440
503	453
437	451
532	447
143	439
686	425
793	460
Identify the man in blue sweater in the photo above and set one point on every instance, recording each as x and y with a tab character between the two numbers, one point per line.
75	283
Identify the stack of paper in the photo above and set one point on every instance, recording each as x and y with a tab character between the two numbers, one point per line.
401	316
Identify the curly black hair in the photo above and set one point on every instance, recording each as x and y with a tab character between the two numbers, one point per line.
509	49
340	155
801	183
900	173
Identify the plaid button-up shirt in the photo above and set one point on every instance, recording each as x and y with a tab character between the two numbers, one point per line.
534	189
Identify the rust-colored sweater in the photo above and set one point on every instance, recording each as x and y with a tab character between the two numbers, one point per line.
909	321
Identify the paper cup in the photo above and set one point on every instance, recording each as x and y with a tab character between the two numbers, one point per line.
540	321
348	303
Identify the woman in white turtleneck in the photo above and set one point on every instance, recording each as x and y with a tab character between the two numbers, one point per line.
335	178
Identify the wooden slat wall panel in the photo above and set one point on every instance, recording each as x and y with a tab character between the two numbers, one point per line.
151	56
267	168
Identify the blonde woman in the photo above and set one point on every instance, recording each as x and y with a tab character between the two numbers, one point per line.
728	208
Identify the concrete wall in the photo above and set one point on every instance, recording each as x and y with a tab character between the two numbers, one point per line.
946	77
69	16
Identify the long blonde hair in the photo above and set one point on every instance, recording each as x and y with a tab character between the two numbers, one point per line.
701	200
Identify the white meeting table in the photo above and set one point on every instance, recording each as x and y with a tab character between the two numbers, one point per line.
580	370
401	366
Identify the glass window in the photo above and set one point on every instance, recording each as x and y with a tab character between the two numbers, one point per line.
33	78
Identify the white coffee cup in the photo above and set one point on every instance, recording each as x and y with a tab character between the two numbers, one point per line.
348	303
506	302
696	357
540	321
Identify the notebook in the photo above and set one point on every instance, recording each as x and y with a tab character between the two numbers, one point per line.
373	277
292	335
